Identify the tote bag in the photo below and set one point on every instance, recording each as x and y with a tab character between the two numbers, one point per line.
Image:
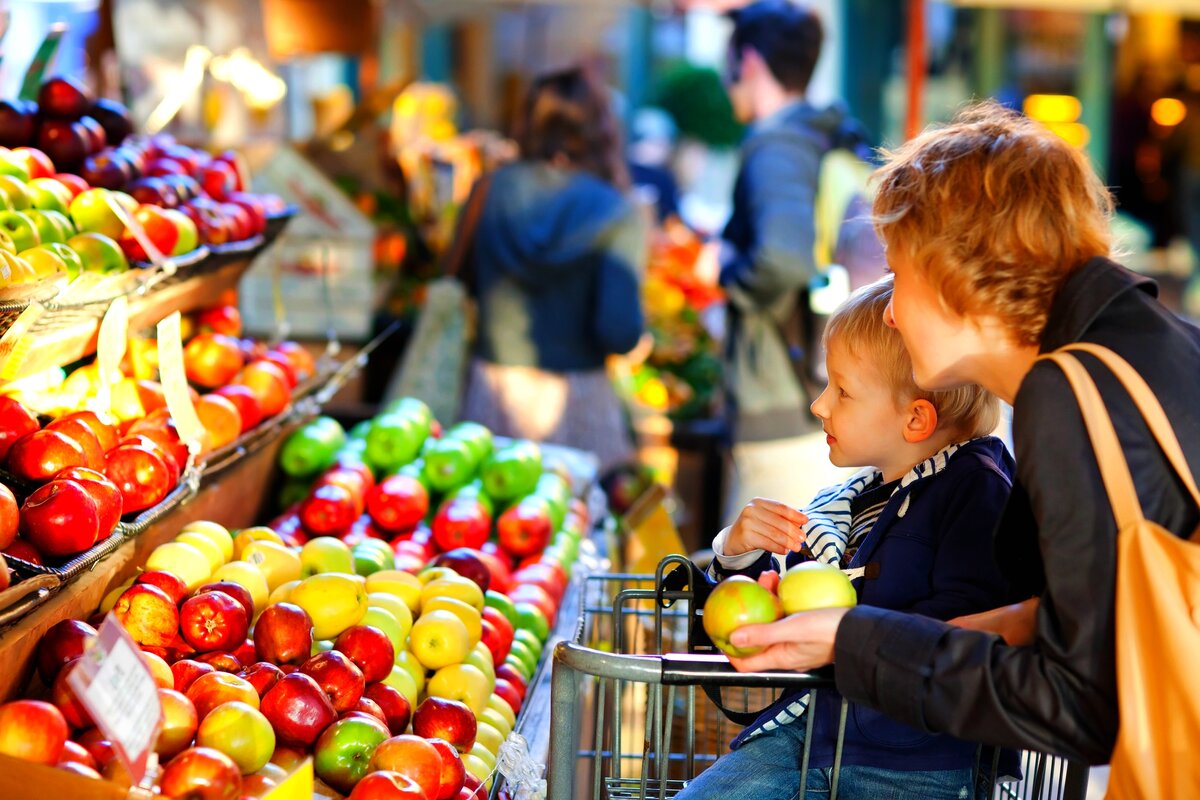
434	364
1157	605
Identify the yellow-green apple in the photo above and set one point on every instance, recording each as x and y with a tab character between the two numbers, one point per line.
481	658
439	638
241	732
501	707
90	211
342	754
187	239
478	767
736	602
411	756
478	750
21	228
48	194
815	585
298	709
463	682
179	723
400	680
413	666
202	773
454	586
98	253
397	712
468	614
396	607
325	554
495	719
529	594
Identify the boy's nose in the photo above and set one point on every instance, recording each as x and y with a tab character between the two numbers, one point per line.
889	318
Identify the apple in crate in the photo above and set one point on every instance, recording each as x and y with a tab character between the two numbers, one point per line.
413	757
202	773
283	634
396	709
39	456
298	709
62	643
388	785
212	621
445	719
337	676
60	518
342	754
32	730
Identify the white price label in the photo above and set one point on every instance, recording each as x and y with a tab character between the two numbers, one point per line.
115	685
174	382
110	349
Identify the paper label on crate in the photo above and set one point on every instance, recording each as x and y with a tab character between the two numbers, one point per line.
114	684
110	349
157	258
174	383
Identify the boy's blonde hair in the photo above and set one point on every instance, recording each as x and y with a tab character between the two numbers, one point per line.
858	325
994	211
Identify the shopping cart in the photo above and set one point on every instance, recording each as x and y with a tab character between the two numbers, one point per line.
628	721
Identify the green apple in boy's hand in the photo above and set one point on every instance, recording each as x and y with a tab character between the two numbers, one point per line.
815	585
735	602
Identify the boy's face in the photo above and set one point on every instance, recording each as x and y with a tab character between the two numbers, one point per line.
864	425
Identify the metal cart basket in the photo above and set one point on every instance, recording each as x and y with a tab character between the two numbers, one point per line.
628	722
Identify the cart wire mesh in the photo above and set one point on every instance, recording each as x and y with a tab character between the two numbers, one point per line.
633	711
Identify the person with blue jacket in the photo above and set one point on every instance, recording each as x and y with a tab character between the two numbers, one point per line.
555	267
913	528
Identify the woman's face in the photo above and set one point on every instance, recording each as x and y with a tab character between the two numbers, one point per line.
941	343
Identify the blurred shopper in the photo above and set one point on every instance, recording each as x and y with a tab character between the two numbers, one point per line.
651	144
555	267
766	254
998	234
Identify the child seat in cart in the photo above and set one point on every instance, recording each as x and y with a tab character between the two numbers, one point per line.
628	722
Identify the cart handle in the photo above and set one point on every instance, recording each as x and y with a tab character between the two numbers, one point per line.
680	669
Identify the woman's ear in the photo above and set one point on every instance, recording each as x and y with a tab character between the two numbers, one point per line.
922	421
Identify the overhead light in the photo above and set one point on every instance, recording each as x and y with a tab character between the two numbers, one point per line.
1053	107
1168	112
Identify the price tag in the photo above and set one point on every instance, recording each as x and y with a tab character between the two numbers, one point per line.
174	383
134	227
116	687
110	349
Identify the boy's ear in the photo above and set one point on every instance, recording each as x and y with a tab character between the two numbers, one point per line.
922	421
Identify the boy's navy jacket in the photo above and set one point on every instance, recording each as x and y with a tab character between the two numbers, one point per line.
933	543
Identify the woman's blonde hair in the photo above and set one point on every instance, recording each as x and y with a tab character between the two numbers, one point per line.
858	325
994	211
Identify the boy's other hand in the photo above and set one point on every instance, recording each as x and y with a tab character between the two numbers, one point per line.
766	525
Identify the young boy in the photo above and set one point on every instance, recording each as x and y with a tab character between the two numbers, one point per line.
920	514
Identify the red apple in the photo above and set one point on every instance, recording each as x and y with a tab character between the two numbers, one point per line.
221	661
473	789
211	690
502	626
510	674
39	456
23	550
73	752
187	671
461	522
509	694
280	360
234	590
9	517
262	675
454	774
217	179
467	563
142	476
16	421
159	229
398	503
247	404
109	503
445	719
179	722
32	730
338	676
269	384
494	640
148	615
201	773
298	709
63	697
546	575
537	597
328	510
388	785
525	528
369	707
169	582
412	757
283	634
63	642
79	432
370	649
395	707
212	360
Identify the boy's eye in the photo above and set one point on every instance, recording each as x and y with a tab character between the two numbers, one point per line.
842	392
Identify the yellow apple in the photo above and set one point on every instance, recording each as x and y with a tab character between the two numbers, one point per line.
326	554
433	573
389	602
495	720
438	639
334	601
282	593
454	586
257	533
481	752
463	682
110	599
479	768
488	735
815	585
245	574
218	533
182	560
481	658
501	706
402	682
385	621
212	553
469	616
411	665
402	584
277	562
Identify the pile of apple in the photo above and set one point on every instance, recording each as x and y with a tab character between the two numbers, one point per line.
71	155
740	600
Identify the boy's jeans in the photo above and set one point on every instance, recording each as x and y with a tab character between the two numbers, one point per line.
767	767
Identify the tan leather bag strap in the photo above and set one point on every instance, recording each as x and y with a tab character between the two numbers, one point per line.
1151	410
1114	470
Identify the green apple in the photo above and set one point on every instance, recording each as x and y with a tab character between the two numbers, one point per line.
6	243
477	436
815	585
342	753
189	238
45	262
386	621
321	646
98	253
513	471
325	554
736	602
406	661
503	604
70	257
90	212
21	228
531	640
61	221
530	618
48	229
393	441
396	607
15	192
11	164
521	654
49	194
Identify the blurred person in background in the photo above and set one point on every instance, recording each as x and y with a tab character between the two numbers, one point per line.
765	258
555	267
651	143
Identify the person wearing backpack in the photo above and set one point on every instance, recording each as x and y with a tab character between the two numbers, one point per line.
767	248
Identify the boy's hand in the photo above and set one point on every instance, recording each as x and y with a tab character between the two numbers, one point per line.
766	525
